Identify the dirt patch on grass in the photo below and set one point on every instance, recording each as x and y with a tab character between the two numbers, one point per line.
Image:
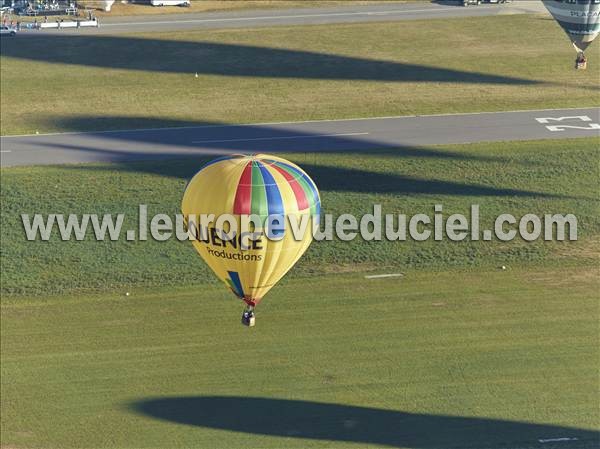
354	268
584	276
585	249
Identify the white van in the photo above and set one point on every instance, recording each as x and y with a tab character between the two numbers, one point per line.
170	2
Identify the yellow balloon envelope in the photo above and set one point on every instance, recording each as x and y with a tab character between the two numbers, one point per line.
251	185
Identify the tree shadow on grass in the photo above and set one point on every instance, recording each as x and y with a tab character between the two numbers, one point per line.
156	55
344	423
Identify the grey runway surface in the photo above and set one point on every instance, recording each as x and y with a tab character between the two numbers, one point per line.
289	17
313	136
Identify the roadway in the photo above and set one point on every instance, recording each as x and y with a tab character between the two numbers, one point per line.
300	16
367	134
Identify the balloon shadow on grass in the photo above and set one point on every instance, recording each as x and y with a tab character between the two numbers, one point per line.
344	423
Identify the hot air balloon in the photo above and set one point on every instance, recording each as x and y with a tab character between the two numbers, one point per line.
268	188
580	19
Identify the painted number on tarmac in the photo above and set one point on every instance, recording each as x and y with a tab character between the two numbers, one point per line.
575	118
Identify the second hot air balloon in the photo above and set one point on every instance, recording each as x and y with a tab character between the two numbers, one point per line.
580	19
268	188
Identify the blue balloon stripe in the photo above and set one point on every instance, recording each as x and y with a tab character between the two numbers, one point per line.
316	202
274	199
236	283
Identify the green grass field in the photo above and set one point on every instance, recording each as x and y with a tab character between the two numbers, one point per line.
517	178
290	73
455	354
485	359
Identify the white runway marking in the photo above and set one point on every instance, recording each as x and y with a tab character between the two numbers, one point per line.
554	440
558	128
280	138
5	151
583	118
381	276
591	127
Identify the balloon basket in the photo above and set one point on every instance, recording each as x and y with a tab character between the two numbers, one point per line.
248	317
581	62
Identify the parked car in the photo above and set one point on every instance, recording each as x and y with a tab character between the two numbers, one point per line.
7	31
